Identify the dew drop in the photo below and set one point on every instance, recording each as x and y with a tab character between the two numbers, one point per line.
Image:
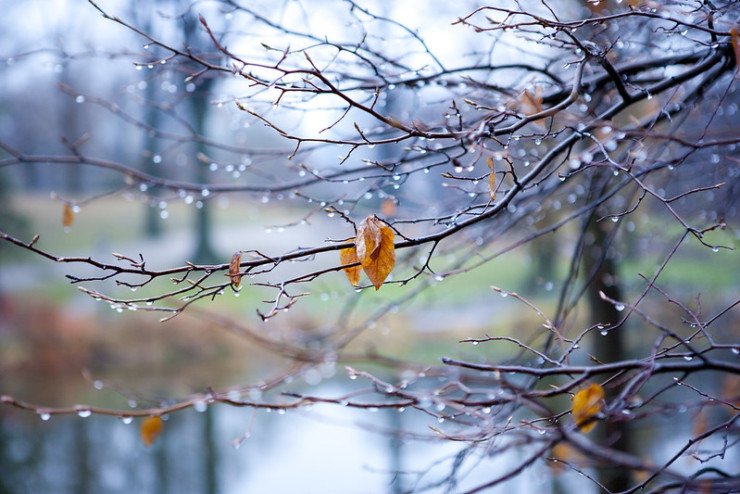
735	350
688	358
80	99
603	332
200	406
44	416
127	420
619	307
715	249
84	412
98	385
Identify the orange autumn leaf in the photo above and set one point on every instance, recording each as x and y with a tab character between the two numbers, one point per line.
735	39
531	104
379	265
348	255
388	207
150	429
235	269
491	178
587	403
375	249
68	216
565	453
701	422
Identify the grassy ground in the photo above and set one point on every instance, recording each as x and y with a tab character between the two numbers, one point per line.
54	328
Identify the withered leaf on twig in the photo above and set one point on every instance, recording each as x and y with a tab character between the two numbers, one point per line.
68	215
374	250
491	178
349	256
587	403
150	429
235	269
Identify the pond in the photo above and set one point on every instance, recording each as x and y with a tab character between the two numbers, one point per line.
322	448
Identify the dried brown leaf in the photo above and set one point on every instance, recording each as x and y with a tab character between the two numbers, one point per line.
587	403
235	269
379	264
68	215
150	429
531	104
348	255
368	237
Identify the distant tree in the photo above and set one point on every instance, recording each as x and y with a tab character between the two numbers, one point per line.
603	135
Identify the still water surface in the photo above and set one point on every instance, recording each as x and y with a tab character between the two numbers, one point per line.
325	449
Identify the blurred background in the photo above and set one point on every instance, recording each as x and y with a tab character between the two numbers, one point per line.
72	80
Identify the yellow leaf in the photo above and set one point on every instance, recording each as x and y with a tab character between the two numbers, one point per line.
234	269
150	429
375	249
489	162
68	216
349	256
587	403
492	185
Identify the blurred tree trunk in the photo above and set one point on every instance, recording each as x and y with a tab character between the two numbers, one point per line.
70	130
601	267
204	252
152	220
196	39
210	457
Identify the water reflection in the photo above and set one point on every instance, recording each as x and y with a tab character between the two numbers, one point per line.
324	449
